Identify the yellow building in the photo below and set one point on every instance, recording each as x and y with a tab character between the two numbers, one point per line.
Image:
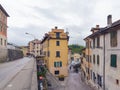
55	49
88	58
31	47
25	50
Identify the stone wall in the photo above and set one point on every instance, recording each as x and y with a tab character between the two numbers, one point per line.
10	54
3	54
14	54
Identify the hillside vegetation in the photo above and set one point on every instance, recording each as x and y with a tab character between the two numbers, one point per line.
76	48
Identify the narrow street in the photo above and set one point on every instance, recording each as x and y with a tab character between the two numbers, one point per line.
74	82
12	73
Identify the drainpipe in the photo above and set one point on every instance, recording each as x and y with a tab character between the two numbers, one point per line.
104	62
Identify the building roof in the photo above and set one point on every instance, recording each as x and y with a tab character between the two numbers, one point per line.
114	26
44	38
3	10
36	41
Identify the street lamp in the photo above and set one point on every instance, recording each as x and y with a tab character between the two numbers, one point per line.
31	51
31	35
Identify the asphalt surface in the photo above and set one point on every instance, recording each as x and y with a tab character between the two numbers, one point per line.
75	83
72	82
11	74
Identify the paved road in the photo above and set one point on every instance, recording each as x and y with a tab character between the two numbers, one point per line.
74	82
8	70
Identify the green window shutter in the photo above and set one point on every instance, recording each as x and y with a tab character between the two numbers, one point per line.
60	64
113	60
54	64
113	38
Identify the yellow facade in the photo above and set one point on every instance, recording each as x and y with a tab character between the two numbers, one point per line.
88	53
56	63
25	50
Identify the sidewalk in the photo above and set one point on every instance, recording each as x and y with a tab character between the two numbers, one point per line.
26	79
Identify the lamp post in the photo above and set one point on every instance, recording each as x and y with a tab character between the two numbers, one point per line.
31	35
32	45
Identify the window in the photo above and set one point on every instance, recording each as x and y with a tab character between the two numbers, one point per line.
113	38
0	27
98	42
94	77
48	53
99	80
5	42
90	58
91	74
117	81
90	44
57	35
1	41
57	53
57	43
87	45
57	72
94	59
58	64
113	60
87	58
94	43
98	61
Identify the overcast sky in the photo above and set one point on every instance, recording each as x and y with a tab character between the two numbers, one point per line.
40	16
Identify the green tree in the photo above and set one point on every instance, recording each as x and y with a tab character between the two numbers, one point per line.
76	48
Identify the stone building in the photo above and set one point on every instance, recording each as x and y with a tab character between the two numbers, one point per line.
3	34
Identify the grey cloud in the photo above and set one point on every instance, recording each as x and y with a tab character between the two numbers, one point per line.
49	14
17	35
58	11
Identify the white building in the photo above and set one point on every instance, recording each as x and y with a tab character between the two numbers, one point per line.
96	72
112	55
34	47
105	44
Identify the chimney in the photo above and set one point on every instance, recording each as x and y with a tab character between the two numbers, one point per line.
95	29
97	26
56	27
109	20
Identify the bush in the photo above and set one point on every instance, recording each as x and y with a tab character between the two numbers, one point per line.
42	72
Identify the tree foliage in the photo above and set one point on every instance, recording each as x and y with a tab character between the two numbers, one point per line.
76	48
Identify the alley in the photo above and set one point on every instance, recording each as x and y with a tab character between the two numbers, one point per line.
74	82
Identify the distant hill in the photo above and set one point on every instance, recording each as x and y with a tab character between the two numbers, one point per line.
76	48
